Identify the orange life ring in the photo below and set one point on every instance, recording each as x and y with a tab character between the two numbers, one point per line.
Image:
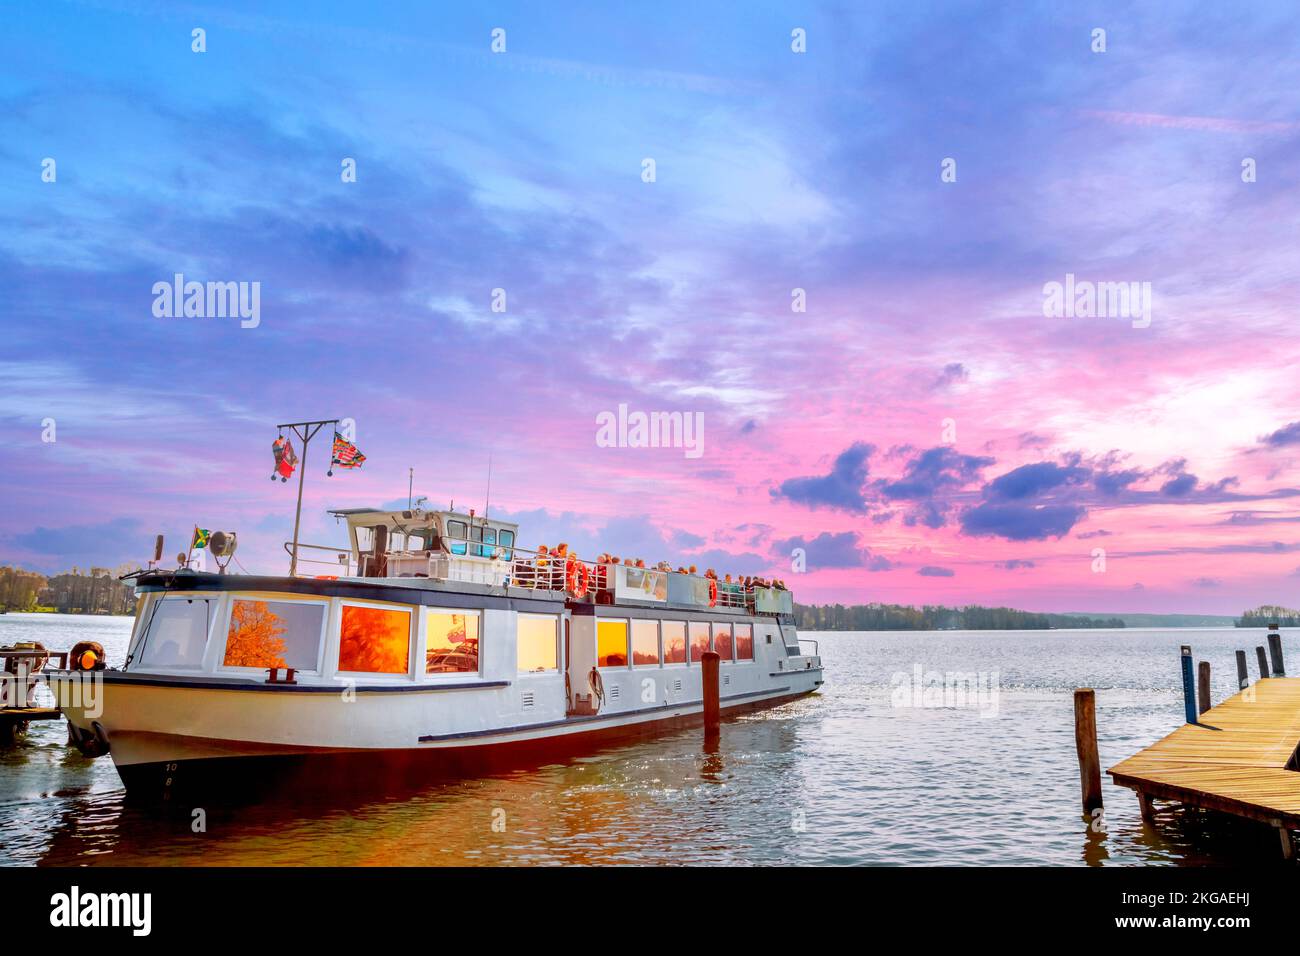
713	592
579	578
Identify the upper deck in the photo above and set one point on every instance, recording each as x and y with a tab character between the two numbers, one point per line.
464	553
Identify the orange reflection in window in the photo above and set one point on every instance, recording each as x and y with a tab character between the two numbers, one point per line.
699	640
611	644
645	643
374	640
452	644
744	642
722	640
255	638
674	642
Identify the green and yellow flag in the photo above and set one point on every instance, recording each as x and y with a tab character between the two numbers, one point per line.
201	536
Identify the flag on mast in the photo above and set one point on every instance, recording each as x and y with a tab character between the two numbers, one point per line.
346	454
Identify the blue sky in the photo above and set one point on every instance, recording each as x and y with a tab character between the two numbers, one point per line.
775	170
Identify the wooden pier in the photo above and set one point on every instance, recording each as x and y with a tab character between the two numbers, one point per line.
1240	758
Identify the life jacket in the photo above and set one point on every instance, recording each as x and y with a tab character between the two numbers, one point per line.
713	592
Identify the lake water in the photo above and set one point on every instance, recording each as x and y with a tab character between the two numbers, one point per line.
844	777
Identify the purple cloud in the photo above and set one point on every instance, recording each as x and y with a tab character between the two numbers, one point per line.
840	490
933	571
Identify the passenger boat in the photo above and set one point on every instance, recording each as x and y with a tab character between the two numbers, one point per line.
437	643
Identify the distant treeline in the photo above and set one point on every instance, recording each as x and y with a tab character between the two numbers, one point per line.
76	592
1267	614
931	617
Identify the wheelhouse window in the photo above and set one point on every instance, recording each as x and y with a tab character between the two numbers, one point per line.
722	640
456	532
374	640
266	634
178	632
744	642
611	643
699	640
674	642
451	642
645	643
537	637
507	545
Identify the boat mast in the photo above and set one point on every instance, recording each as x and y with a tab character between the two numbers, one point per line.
305	432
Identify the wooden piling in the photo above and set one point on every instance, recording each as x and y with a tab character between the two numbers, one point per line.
1189	684
1243	676
709	664
1085	742
1203	686
1263	661
1275	652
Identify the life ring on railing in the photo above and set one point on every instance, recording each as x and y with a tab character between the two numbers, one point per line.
578	578
713	592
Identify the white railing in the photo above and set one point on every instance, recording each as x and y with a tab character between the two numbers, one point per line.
527	568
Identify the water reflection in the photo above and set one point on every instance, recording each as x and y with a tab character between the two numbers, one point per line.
839	778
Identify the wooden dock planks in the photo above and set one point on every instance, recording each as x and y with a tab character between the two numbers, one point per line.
1234	761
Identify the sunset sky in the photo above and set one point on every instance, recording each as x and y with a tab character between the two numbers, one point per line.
922	430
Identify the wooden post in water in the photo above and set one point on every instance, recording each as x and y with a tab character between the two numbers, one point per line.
1189	684
1203	688
1263	661
712	709
1243	676
1085	742
1275	651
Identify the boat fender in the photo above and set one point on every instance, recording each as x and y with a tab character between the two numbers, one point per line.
91	743
86	656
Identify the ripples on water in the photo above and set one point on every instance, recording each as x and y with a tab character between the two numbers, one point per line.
842	777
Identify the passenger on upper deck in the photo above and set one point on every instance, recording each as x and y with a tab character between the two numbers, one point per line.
558	566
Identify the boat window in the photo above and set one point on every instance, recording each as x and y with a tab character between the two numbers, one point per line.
407	541
611	643
699	640
744	642
722	640
507	544
274	634
178	632
538	643
645	643
489	536
456	532
374	640
451	642
674	642
476	534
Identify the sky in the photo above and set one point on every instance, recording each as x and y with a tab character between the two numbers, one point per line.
828	232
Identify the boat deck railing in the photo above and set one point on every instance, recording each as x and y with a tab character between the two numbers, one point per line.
520	567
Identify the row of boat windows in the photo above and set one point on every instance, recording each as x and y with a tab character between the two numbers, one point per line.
375	639
456	533
650	643
478	541
372	639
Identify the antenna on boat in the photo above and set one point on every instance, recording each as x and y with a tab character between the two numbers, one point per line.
488	498
410	486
